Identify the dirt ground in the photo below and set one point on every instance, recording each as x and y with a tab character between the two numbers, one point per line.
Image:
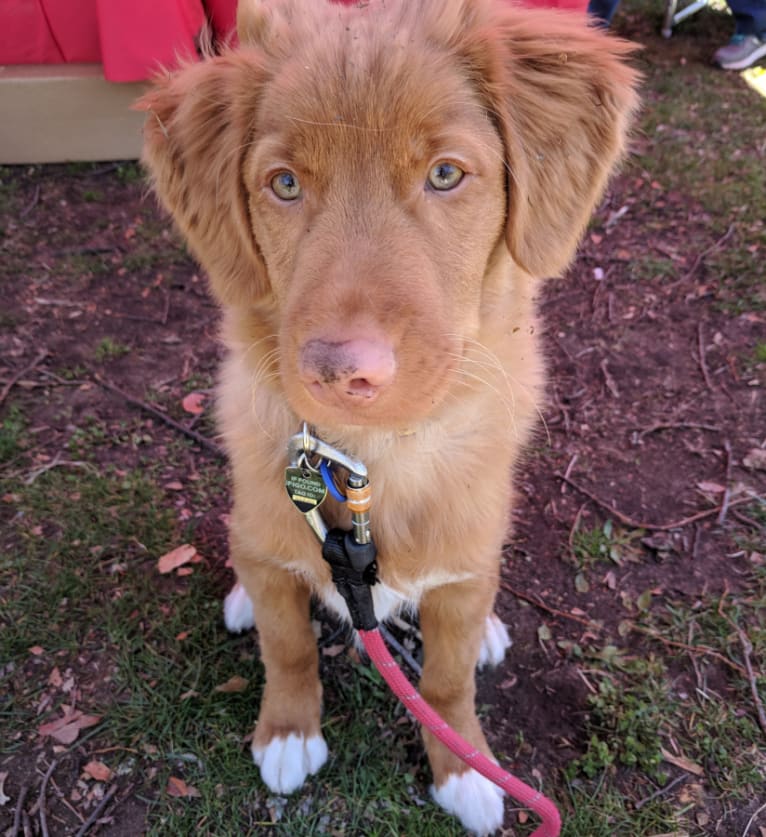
653	413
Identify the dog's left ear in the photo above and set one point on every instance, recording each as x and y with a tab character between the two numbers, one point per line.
562	96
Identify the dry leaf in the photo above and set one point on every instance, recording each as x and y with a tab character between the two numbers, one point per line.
233	684
55	679
97	770
182	636
711	487
36	650
174	485
178	788
755	460
176	558
194	403
333	650
682	762
182	571
66	730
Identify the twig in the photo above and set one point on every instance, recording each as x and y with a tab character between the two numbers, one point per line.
692	649
611	385
698	261
39	357
57	462
637	524
539	603
32	204
678	426
41	798
752	819
727	484
19	809
201	440
747	650
701	352
661	792
97	812
402	651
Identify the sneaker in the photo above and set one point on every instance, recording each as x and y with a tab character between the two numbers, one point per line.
740	52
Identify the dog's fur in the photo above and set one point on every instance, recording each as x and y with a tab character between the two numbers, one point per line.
360	103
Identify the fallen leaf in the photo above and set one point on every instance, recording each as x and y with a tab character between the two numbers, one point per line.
194	403
682	762
755	460
55	679
711	487
175	485
183	635
179	789
333	650
182	571
97	770
233	684
176	558
66	730
36	650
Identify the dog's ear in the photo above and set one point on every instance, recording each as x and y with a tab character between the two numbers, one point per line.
562	96
198	128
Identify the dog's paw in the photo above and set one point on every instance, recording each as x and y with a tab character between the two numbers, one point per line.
238	610
474	800
286	762
495	643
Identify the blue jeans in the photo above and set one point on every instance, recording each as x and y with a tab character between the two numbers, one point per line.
750	16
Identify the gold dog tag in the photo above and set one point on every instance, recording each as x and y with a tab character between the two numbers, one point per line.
305	488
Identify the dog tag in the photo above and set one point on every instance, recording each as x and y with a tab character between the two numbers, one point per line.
305	488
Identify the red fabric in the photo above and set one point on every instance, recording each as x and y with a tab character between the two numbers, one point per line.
73	24
409	696
25	37
138	37
132	38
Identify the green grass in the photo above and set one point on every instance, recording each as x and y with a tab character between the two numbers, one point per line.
108	349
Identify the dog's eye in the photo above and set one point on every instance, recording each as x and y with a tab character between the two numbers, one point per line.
445	176
285	185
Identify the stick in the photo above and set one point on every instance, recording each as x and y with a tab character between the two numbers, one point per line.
97	812
661	792
32	204
19	809
727	484
752	819
41	355
678	426
703	364
539	603
698	261
41	798
692	649
201	440
637	524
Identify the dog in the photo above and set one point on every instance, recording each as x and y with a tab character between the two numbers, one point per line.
376	192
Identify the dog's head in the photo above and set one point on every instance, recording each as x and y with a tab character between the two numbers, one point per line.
351	178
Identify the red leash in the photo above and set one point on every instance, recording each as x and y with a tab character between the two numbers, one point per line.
409	696
351	556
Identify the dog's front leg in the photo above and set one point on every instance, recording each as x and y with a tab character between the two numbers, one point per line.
453	619
287	743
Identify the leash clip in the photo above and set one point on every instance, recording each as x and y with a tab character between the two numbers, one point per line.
351	555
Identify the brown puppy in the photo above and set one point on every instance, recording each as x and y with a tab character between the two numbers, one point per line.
375	192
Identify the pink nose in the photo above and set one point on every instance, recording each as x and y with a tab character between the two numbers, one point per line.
354	371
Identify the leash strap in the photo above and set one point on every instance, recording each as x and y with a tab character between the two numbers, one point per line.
431	720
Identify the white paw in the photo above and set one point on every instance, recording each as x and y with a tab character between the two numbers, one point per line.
238	610
495	643
285	762
474	800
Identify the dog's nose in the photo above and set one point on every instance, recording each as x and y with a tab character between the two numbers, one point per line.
354	371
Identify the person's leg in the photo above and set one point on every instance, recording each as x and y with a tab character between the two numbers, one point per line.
603	11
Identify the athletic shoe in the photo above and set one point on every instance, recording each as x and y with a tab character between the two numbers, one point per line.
740	52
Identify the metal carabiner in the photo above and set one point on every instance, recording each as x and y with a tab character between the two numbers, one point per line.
358	490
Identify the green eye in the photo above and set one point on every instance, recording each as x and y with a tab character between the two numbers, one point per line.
285	185
445	176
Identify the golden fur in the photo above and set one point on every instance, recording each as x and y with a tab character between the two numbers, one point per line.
360	102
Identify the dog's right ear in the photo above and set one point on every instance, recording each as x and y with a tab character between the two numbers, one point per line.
198	128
